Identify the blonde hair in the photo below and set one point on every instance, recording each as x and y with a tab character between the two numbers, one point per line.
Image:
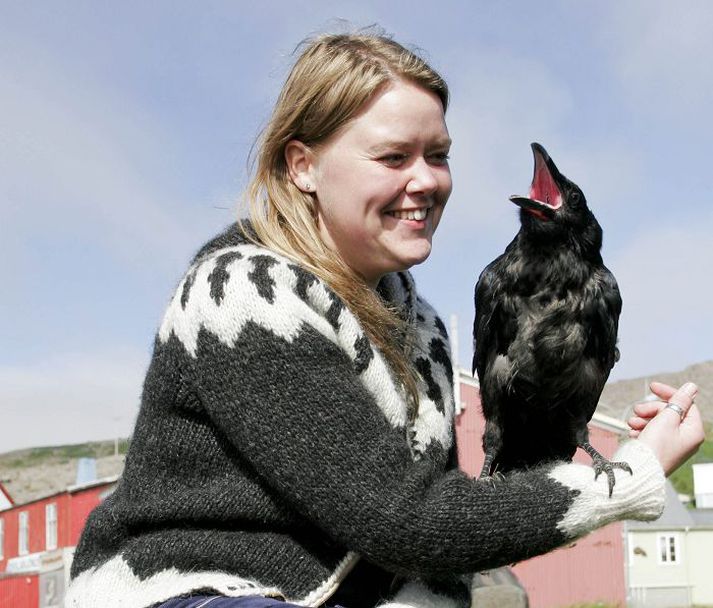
331	81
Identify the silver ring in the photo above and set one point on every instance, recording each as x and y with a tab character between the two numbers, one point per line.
676	408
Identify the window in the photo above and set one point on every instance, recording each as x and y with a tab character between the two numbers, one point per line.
2	538
669	549
23	533
51	526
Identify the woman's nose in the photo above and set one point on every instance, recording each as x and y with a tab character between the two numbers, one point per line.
423	178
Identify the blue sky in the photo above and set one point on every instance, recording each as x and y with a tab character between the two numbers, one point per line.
125	130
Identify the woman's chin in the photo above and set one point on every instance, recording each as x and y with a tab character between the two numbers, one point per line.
414	255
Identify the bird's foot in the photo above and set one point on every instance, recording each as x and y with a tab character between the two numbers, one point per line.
493	479
486	474
487	465
602	465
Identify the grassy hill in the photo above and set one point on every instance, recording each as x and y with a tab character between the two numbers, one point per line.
682	479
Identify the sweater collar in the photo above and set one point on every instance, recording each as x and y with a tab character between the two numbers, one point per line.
398	289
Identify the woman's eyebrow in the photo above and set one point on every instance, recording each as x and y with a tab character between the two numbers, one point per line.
386	146
442	142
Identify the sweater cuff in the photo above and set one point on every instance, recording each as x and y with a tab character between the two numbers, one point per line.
639	495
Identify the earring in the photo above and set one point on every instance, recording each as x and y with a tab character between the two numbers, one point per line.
308	187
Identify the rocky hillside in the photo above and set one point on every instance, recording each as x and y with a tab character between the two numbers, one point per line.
619	397
36	472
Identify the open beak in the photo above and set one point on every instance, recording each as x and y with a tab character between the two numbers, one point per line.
545	197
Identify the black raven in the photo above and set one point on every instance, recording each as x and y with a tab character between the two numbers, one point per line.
546	319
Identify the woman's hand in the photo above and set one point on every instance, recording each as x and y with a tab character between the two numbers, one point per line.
672	436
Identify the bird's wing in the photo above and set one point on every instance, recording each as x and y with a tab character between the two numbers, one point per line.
490	329
606	318
602	317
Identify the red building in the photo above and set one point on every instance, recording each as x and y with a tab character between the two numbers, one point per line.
591	570
37	540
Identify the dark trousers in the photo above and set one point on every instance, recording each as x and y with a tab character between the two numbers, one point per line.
219	601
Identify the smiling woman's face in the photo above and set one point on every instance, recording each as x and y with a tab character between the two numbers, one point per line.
381	182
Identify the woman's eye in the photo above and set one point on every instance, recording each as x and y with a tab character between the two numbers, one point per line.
440	158
393	159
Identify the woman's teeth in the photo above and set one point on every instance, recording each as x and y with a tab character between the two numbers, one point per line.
414	214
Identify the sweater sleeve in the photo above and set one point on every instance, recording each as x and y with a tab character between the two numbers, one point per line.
290	399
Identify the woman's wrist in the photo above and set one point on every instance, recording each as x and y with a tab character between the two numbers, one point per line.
638	495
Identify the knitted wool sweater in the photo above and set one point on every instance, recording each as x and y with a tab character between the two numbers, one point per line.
273	451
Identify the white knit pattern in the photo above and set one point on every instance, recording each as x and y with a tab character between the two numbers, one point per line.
431	424
639	496
121	588
287	315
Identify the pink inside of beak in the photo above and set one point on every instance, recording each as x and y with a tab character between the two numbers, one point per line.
543	188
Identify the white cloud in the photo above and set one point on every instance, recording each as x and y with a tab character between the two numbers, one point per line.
70	398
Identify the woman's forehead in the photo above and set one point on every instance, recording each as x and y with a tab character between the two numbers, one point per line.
398	115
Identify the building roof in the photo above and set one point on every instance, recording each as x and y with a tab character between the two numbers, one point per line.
702	517
105	481
6	501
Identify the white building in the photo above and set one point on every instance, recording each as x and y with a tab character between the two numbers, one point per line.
703	484
669	560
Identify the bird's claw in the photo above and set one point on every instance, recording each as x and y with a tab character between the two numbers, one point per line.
494	478
604	466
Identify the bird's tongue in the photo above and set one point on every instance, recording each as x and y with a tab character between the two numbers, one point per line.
543	188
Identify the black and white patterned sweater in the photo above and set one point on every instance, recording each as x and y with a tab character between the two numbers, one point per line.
273	451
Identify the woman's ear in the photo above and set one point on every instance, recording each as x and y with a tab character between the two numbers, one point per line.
300	165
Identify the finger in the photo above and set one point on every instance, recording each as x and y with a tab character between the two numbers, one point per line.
661	390
637	423
683	398
648	409
634	434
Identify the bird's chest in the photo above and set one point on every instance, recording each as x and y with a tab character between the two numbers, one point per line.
545	311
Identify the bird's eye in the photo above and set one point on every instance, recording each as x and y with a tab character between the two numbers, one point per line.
575	197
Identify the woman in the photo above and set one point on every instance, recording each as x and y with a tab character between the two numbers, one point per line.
295	439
